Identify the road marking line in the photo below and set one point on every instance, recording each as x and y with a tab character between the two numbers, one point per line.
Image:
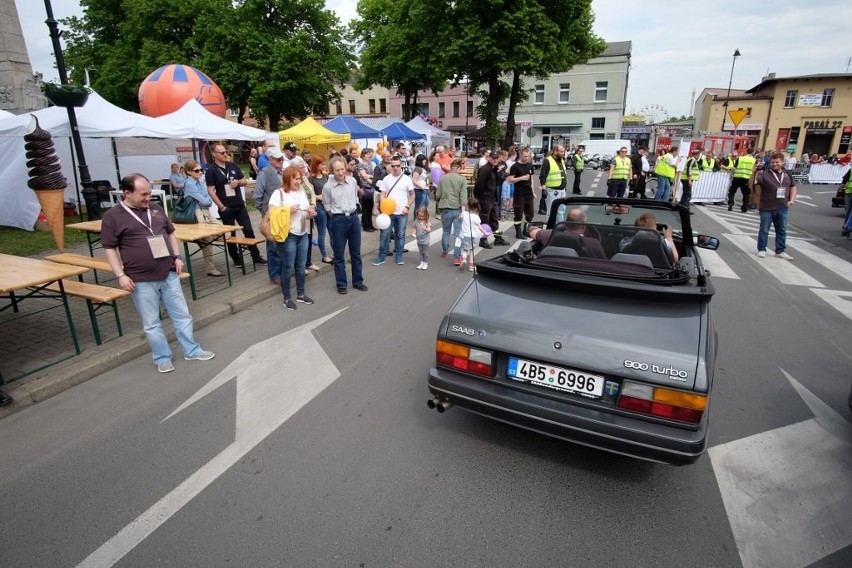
840	300
832	262
265	399
784	271
718	268
784	512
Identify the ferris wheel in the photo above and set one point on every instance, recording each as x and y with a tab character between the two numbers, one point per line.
654	114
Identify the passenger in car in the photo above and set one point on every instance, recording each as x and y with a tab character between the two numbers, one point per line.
575	224
648	221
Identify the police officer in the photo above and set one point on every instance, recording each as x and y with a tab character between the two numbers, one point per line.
689	176
579	164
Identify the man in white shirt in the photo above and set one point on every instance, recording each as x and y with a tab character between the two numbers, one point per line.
399	187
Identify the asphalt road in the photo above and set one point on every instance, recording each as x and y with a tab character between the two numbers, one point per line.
313	446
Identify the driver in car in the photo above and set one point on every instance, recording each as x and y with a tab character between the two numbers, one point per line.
575	223
648	221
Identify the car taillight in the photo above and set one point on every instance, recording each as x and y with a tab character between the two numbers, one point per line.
665	403
464	358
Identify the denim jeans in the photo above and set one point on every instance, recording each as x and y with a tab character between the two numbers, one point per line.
273	261
322	226
451	224
421	199
847	202
398	223
664	189
147	297
346	229
777	218
293	252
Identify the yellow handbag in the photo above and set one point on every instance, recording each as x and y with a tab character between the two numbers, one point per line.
275	225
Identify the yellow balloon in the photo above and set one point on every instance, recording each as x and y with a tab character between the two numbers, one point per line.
387	206
379	146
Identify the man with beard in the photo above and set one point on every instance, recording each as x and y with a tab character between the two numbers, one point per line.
553	177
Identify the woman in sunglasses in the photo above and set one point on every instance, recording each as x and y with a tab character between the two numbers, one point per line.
197	190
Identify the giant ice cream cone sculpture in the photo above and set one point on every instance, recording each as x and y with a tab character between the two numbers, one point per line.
47	180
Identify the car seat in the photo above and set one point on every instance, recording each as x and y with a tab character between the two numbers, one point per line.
650	244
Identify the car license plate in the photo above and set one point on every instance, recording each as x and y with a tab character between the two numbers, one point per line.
568	380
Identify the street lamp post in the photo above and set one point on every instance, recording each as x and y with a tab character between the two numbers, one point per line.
728	96
90	195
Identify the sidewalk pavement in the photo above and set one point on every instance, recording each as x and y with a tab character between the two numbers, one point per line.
33	342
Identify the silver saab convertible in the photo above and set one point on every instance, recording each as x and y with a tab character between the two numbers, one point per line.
596	331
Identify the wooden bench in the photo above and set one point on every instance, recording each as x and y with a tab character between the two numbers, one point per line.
92	262
242	244
96	297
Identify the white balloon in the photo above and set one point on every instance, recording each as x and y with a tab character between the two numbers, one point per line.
382	222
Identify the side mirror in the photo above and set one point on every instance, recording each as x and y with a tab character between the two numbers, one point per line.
707	242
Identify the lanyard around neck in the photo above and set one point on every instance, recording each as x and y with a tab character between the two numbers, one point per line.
149	226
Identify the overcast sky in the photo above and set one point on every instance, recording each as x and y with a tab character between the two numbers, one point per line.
675	49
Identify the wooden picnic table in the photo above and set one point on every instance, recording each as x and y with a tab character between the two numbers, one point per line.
33	276
184	232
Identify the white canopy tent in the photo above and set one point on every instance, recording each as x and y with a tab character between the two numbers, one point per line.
195	121
434	136
5	114
99	123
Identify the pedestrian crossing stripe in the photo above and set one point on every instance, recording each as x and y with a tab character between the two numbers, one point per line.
717	267
784	271
837	299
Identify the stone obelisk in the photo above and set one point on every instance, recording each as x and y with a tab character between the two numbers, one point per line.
20	89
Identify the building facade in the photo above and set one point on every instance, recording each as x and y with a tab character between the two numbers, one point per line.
451	109
373	102
809	113
711	117
587	102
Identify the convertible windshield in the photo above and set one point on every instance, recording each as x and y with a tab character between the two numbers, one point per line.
620	214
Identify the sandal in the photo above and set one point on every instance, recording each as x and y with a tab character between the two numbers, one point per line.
215	273
328	260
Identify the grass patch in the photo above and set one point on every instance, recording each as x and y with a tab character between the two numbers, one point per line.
27	243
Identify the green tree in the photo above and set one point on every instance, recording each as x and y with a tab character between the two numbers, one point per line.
493	40
400	47
282	58
122	42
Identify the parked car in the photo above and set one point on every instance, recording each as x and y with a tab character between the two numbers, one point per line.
537	157
615	353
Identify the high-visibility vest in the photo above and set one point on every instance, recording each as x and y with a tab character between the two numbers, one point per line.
847	189
620	168
663	168
579	162
707	164
744	167
691	171
555	176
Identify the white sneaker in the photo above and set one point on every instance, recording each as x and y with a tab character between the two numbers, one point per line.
425	265
420	266
200	356
165	366
761	254
783	255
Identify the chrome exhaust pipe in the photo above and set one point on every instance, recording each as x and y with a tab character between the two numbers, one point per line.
433	403
443	406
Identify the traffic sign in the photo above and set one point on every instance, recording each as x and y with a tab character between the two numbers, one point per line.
738	115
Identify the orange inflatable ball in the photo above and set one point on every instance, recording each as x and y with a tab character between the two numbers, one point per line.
387	206
169	87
